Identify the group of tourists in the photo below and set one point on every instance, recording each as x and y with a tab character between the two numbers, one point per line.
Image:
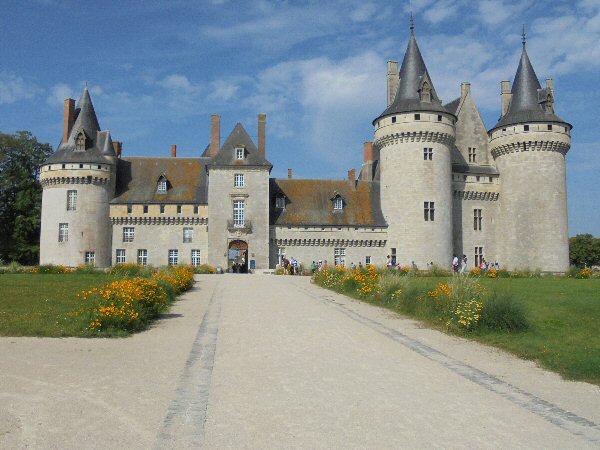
459	265
291	267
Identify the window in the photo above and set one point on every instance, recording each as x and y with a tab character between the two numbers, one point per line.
472	155
90	258
478	256
188	234
239	153
367	260
439	118
120	256
427	154
63	232
142	258
80	142
417	116
393	119
428	211
71	200
162	209
195	257
178	209
339	256
173	257
128	234
526	127
129	209
195	209
145	209
280	202
81	166
338	203
477	219
491	179
162	186
238	180
238	213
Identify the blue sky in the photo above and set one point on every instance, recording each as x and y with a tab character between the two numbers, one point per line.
158	70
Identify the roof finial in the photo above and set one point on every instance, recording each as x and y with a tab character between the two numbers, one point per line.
524	36
412	22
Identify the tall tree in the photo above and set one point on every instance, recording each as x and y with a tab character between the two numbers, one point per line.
584	250
20	196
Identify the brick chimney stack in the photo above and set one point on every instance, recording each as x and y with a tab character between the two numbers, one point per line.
352	176
215	135
69	119
369	152
290	174
174	151
262	135
118	148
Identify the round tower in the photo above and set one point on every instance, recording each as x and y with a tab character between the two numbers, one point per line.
414	137
78	182
529	144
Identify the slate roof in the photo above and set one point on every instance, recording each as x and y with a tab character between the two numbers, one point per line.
474	169
412	72
137	180
524	105
99	148
452	106
226	155
310	203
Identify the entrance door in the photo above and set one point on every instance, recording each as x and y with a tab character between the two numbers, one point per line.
237	259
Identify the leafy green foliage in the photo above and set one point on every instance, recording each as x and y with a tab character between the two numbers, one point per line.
20	196
584	250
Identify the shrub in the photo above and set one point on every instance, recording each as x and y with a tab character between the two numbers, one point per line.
503	273
130	270
492	273
437	271
205	269
502	313
280	271
584	273
180	277
85	268
53	269
391	287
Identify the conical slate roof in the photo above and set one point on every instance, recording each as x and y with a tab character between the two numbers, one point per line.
99	148
412	73
239	138
526	93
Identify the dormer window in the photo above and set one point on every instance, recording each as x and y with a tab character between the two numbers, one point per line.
338	204
162	185
426	92
239	153
80	142
280	202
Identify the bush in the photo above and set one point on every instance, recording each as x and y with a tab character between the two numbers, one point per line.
280	271
502	313
86	268
584	273
53	269
205	269
437	271
130	270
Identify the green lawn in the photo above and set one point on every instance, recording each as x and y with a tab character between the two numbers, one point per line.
565	325
44	305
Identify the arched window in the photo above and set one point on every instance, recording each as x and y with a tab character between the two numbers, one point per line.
80	141
162	185
338	204
426	92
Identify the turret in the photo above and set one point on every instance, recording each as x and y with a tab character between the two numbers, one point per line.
78	181
529	144
413	138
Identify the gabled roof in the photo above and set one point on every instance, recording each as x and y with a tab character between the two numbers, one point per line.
452	106
137	180
412	73
99	148
309	203
239	138
524	105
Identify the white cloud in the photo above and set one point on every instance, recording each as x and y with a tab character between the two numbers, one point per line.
223	91
58	93
363	12
178	84
14	88
441	11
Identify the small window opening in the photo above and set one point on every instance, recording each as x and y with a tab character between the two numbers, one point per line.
417	116
394	119
526	127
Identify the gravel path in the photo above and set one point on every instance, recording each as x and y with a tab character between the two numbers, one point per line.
275	362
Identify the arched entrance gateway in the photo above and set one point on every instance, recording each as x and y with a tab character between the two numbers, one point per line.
237	256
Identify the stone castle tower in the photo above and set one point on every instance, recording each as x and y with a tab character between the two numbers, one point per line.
529	144
413	138
78	182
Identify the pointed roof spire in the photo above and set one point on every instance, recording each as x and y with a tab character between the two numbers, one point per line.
85	116
412	23
525	104
413	73
524	36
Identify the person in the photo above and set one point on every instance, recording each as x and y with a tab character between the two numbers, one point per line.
286	264
455	264
352	266
389	261
313	267
463	267
360	266
482	264
294	266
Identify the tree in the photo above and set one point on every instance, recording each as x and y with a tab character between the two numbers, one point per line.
20	196
584	250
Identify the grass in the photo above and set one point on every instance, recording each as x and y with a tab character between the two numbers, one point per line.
44	304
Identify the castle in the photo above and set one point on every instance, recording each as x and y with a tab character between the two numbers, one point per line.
434	182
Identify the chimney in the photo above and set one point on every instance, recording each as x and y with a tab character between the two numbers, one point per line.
215	135
506	96
352	176
290	173
369	153
69	119
118	148
550	85
465	88
173	150
393	80
262	135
